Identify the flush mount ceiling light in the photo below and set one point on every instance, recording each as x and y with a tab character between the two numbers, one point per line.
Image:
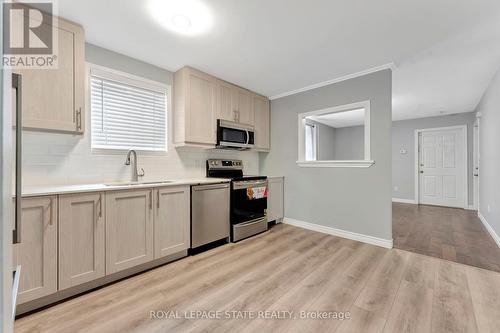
186	17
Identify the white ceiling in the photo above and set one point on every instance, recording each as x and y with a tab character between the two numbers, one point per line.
341	119
445	51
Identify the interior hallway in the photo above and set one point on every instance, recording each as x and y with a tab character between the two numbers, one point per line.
448	233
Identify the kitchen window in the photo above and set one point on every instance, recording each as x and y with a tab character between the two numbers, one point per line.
127	112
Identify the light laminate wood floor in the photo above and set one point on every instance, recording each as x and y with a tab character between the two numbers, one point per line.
289	269
449	233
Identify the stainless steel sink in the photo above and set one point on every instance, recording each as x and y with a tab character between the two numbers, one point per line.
139	183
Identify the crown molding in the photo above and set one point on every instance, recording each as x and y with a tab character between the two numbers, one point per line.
390	66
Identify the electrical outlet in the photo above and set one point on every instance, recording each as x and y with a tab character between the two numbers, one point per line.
489	209
396	188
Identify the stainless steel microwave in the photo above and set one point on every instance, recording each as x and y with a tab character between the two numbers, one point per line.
232	135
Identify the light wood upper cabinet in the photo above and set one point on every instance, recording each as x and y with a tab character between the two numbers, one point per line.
129	229
37	252
195	102
234	103
244	107
54	99
226	104
275	208
81	238
200	99
172	220
262	123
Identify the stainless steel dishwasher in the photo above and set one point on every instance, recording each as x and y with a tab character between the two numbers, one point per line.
209	213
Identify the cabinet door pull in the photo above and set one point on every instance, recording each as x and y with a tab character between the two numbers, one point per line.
79	119
158	198
100	205
151	199
51	206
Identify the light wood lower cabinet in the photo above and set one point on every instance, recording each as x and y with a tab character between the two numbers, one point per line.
129	229
72	239
37	252
275	200
81	238
171	220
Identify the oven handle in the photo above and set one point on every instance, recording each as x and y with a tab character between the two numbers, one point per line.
238	185
210	187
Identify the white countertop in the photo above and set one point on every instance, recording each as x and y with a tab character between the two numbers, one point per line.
65	189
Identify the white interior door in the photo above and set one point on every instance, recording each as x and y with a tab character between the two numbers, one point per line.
442	167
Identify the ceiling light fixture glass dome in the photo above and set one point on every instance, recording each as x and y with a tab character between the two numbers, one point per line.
186	17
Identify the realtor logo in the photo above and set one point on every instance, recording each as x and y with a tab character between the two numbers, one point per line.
30	37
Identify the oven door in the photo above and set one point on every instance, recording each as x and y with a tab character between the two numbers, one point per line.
248	200
232	135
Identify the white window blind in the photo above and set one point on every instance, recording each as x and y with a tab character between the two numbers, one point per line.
127	113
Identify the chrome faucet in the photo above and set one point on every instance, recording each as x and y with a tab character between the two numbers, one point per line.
135	173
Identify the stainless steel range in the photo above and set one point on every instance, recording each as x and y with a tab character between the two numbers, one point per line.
248	198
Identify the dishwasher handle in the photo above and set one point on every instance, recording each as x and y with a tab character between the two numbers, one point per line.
210	187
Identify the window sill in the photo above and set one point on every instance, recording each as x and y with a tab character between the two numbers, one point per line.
336	164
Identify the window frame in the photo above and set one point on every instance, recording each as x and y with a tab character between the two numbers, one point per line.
365	163
134	80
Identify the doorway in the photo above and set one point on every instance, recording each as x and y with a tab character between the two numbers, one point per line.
441	166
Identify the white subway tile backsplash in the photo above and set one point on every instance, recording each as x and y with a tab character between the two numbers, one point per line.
61	159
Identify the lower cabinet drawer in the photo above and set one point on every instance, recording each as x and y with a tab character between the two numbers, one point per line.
247	229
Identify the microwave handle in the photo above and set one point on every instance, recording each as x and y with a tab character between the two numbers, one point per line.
248	137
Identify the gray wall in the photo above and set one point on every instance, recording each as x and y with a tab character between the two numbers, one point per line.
350	143
403	137
489	140
104	57
352	199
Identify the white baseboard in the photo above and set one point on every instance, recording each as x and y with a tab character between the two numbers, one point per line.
488	227
408	201
470	207
387	243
